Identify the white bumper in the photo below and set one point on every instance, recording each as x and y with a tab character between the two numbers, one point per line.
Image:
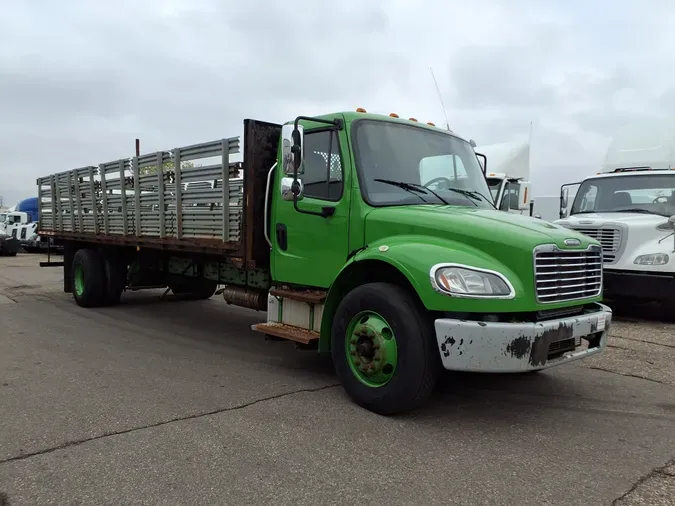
518	347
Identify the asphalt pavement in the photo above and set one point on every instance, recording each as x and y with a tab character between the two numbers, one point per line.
162	401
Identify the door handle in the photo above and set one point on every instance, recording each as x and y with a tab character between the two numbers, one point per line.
282	236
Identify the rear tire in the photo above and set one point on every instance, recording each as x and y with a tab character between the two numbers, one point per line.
115	278
88	278
384	383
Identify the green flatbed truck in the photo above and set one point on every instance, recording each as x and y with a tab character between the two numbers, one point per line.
371	238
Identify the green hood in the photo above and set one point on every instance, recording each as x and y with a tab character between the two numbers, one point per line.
485	229
422	236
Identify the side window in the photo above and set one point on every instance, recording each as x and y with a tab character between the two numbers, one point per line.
588	201
512	195
323	166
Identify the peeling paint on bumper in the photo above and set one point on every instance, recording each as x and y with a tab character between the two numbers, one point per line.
518	347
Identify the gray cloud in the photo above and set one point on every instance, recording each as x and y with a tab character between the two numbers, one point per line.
80	80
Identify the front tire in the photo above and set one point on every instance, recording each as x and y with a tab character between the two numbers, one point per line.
384	349
88	278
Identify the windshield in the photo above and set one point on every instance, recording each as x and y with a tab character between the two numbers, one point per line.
447	166
494	185
643	193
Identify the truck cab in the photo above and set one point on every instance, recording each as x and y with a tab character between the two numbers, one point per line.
10	222
629	206
507	171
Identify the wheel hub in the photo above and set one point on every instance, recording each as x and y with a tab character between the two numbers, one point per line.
371	348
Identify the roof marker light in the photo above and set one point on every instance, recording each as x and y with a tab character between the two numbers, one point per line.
412	119
430	123
393	115
360	109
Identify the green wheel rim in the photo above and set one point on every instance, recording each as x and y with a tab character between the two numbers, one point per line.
371	349
79	280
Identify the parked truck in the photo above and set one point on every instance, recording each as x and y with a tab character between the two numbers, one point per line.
629	206
337	233
508	175
9	221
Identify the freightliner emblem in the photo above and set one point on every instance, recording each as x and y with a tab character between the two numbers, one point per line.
572	242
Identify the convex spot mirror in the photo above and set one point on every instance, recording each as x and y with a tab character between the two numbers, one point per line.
292	149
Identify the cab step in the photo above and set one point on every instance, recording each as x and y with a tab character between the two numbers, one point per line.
309	296
297	334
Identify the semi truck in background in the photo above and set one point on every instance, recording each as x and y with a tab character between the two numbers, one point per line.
343	231
629	206
507	172
508	177
9	221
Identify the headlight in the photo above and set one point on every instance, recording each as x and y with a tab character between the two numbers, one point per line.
653	259
465	281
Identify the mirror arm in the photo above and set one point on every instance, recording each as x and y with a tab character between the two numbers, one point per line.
338	124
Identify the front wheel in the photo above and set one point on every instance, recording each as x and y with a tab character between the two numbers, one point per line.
384	349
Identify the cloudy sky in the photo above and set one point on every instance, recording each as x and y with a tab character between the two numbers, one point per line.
79	80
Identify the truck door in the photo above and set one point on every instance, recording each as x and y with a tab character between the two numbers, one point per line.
309	249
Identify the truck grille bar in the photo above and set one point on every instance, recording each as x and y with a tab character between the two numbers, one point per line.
609	237
566	275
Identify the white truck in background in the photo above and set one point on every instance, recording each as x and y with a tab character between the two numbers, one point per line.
507	174
9	222
629	206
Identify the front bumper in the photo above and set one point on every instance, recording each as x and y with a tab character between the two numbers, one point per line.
9	245
642	285
518	347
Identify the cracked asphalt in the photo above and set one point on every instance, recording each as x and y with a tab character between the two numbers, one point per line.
178	402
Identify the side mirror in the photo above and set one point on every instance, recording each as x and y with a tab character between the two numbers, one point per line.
523	197
292	149
564	197
291	187
483	165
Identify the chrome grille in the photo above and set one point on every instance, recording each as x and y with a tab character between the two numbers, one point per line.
565	275
610	238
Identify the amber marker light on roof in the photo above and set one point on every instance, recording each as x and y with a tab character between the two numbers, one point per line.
360	109
412	119
393	115
430	123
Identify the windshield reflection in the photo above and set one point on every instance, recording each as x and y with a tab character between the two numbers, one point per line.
394	158
648	193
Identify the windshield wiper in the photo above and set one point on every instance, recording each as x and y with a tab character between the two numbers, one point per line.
467	193
410	187
474	193
426	190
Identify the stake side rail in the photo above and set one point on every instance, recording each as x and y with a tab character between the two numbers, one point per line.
189	197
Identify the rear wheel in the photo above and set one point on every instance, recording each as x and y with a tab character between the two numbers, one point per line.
384	349
115	278
88	279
